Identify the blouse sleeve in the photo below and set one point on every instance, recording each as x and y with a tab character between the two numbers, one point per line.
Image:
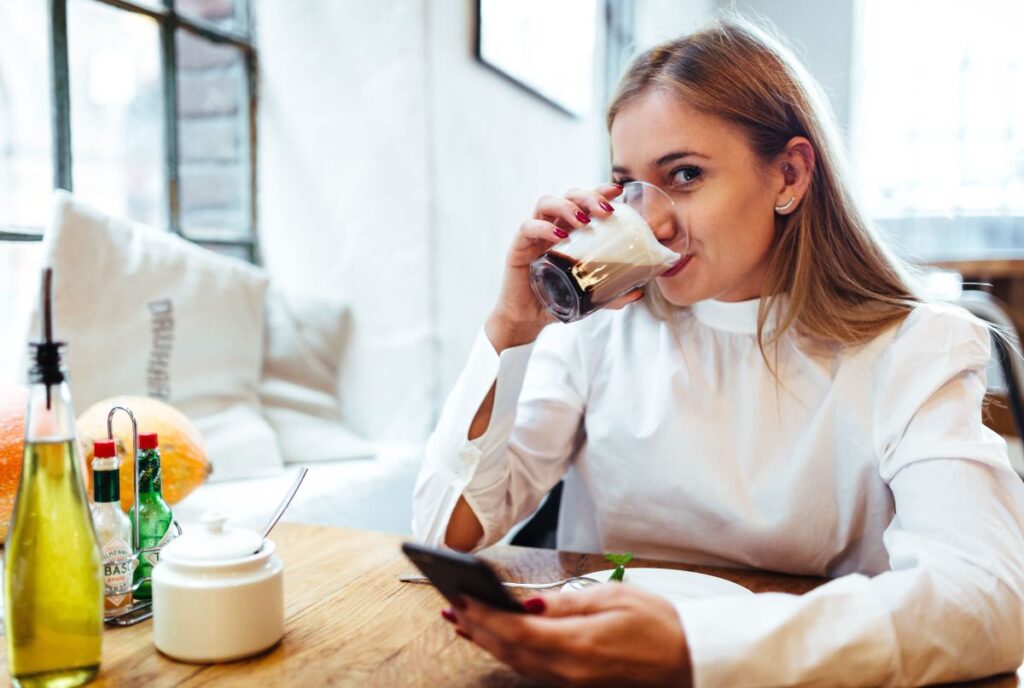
951	606
504	473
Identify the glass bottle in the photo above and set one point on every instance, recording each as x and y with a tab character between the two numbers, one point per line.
154	513
113	529
53	586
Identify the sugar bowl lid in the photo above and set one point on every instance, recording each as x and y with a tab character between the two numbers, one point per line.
215	541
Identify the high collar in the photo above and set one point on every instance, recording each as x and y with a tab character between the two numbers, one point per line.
735	316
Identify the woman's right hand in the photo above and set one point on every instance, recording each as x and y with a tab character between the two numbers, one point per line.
518	317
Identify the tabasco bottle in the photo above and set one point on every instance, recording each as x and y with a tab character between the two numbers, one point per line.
53	588
154	524
113	529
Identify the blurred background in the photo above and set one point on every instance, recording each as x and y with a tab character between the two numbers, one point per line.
384	152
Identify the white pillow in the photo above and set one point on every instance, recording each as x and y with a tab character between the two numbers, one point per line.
145	312
306	338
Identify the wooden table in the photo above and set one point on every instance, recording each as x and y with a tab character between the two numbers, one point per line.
350	622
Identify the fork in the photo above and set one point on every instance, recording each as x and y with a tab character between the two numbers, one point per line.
576	583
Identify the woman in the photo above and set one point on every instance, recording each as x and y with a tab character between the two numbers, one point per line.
780	400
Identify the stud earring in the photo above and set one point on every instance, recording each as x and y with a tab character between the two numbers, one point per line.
785	206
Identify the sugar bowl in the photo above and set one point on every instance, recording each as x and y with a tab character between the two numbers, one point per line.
218	594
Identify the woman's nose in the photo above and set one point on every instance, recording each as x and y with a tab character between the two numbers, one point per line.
665	225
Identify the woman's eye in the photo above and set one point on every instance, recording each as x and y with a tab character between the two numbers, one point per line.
685	176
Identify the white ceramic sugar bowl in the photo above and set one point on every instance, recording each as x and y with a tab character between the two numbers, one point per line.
213	599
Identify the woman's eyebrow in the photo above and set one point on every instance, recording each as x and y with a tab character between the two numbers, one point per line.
664	160
678	155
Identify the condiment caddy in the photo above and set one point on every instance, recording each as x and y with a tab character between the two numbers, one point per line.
141	609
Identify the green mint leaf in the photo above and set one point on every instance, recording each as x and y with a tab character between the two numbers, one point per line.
619	559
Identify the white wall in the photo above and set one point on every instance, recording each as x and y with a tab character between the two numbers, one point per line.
663	20
344	197
394	170
496	149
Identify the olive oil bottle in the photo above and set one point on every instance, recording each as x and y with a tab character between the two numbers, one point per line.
53	582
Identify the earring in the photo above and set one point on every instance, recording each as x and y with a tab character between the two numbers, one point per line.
785	206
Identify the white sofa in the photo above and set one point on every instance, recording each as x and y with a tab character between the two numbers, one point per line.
369	494
254	367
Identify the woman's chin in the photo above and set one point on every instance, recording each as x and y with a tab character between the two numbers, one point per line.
681	285
685	304
680	292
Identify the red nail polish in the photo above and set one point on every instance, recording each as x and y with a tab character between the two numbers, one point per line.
606	206
535	605
582	217
458	602
561	233
448	615
462	634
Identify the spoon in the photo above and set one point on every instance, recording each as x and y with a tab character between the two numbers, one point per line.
140	611
576	583
282	506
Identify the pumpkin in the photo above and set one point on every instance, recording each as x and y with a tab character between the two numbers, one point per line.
183	463
13	402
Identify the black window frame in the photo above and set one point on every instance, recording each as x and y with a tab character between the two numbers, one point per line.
168	21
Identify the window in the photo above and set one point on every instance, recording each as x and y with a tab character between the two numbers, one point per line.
143	108
938	132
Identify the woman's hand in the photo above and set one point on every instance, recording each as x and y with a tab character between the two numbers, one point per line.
518	317
610	634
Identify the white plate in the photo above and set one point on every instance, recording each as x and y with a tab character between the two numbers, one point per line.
676	585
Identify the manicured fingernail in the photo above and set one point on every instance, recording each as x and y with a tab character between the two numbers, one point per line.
462	634
458	602
582	217
616	184
607	206
535	605
561	233
448	615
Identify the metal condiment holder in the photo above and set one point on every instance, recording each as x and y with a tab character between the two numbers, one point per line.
140	610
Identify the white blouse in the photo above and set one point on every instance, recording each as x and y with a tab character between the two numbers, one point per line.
867	464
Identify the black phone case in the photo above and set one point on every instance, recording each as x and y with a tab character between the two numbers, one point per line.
455	574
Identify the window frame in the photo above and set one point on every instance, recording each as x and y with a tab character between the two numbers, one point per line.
168	22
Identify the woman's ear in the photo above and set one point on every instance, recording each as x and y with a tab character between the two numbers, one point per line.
794	168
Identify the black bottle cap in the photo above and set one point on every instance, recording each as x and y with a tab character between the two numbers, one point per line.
46	355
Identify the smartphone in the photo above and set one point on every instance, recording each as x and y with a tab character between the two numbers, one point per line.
456	574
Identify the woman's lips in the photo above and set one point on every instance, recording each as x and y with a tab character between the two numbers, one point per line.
678	267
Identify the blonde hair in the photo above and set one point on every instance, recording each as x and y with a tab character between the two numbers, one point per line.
839	280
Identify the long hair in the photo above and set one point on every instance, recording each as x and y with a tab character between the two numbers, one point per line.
839	281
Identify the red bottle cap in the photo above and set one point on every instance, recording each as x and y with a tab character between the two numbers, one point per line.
103	449
147	441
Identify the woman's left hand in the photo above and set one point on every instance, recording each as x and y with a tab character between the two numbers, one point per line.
611	634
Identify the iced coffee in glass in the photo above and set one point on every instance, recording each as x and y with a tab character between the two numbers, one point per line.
610	256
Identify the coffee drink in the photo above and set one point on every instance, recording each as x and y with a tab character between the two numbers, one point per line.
574	289
599	263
